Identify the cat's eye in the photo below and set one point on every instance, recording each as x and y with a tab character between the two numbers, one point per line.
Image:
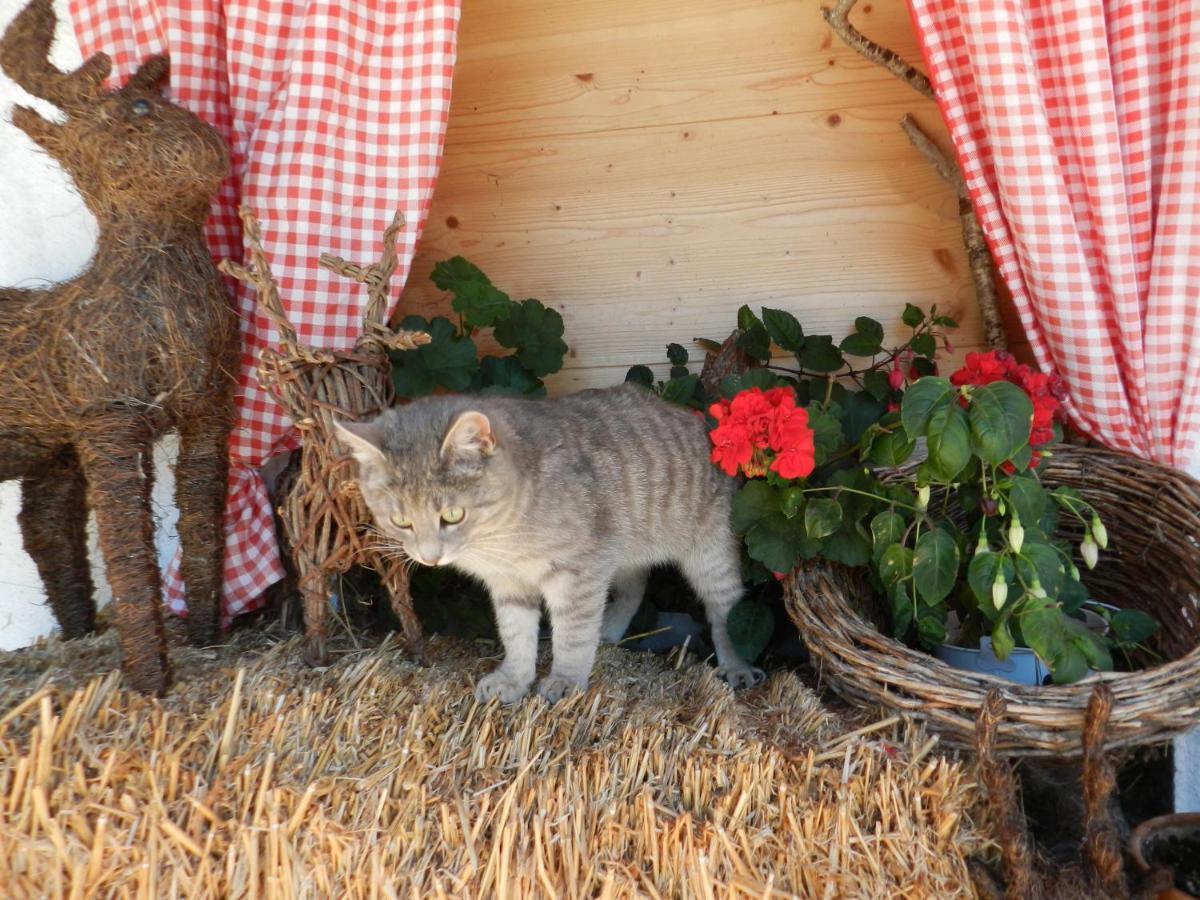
453	515
141	107
400	522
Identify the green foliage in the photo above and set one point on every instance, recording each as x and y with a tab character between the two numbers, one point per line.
970	530
450	361
750	626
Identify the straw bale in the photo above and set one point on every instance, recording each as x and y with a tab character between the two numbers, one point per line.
379	778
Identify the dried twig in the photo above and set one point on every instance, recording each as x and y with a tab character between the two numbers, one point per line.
979	258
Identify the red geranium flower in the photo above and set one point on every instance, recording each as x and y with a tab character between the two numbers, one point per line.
755	428
1046	392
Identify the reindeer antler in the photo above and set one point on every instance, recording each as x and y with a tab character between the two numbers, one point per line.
260	278
377	278
25	58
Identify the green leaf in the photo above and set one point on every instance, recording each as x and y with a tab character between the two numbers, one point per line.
822	517
867	339
931	627
750	626
921	400
1001	416
1132	626
708	345
935	565
1028	497
895	565
447	361
913	316
640	375
924	345
746	319
677	354
451	274
792	501
887	528
504	375
764	379
901	607
681	390
891	449
1069	665
876	384
755	342
1042	627
776	542
1046	562
1093	646
1072	594
949	441
861	412
679	372
981	575
819	355
535	332
784	329
482	305
826	429
847	546
755	502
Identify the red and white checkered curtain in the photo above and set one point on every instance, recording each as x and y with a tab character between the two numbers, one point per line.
335	113
1077	124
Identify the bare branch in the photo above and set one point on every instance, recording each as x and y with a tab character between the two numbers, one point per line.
838	19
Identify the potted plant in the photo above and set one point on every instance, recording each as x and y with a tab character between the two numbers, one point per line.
966	536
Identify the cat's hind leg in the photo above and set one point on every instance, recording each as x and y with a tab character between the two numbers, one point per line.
628	587
517	623
712	569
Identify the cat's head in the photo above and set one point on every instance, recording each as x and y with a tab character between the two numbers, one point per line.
433	476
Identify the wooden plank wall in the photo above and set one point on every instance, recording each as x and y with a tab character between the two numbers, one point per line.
647	166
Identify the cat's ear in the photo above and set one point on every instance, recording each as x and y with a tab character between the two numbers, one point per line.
363	440
469	439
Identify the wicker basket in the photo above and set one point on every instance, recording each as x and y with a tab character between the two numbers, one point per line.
1152	564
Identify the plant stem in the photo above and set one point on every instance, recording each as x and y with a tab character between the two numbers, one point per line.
813	490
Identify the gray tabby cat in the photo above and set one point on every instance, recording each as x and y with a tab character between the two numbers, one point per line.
556	500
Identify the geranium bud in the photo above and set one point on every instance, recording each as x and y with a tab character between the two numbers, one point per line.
999	591
923	498
989	506
895	379
1016	534
1090	551
1099	532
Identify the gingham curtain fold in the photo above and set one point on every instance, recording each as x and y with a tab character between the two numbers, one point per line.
1077	124
335	113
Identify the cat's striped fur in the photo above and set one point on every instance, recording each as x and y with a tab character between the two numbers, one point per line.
561	500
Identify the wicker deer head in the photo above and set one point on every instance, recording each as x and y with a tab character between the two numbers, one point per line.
324	516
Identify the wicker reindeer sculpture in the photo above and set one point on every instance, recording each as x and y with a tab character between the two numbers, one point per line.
93	370
324	516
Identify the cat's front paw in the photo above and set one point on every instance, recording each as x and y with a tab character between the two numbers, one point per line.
555	687
501	685
742	676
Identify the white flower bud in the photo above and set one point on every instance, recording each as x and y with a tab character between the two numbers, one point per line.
982	546
1016	534
1036	589
923	498
1074	572
1090	551
1099	532
999	591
